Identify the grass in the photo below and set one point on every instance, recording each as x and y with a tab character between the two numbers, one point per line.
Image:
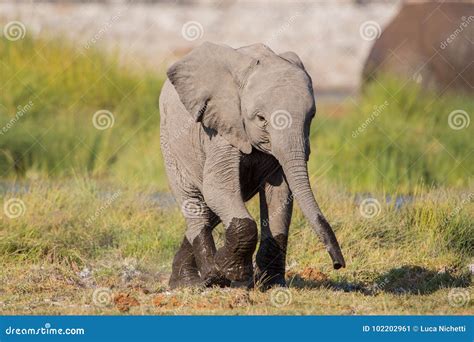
395	138
51	91
55	257
94	235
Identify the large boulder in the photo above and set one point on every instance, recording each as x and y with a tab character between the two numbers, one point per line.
431	43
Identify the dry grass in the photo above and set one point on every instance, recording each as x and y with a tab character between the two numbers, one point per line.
402	261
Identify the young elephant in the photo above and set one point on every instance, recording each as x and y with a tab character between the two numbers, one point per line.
234	123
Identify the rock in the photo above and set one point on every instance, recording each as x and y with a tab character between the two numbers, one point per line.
85	273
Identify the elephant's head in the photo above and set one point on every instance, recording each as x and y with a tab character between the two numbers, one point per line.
255	98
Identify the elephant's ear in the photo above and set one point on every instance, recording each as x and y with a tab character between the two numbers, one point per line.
208	81
257	51
292	57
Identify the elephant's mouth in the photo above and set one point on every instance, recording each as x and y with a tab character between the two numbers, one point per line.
265	147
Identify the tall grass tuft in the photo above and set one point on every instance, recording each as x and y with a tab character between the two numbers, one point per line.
397	137
49	94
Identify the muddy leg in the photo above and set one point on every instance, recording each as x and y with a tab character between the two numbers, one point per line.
194	263
184	270
234	259
205	250
200	223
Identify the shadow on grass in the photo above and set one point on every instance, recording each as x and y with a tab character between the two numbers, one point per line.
409	279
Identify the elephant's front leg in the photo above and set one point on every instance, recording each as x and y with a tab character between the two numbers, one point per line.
222	193
199	231
276	206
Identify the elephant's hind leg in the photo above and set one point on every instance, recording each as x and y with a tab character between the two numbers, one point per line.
276	205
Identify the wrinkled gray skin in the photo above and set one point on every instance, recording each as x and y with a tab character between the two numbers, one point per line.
222	146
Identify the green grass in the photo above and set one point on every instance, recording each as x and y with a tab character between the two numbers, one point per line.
89	218
62	88
400	261
406	143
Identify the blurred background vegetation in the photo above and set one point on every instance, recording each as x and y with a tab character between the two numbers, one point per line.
382	143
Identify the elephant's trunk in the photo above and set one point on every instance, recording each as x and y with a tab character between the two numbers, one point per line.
296	172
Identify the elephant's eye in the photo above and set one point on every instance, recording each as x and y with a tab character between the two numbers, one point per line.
260	118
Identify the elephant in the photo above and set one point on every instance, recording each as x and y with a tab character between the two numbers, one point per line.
429	42
234	123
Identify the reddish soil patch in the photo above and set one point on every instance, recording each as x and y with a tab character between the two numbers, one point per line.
312	274
123	302
239	299
162	301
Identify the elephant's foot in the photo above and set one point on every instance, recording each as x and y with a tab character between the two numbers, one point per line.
184	269
234	259
271	258
204	251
